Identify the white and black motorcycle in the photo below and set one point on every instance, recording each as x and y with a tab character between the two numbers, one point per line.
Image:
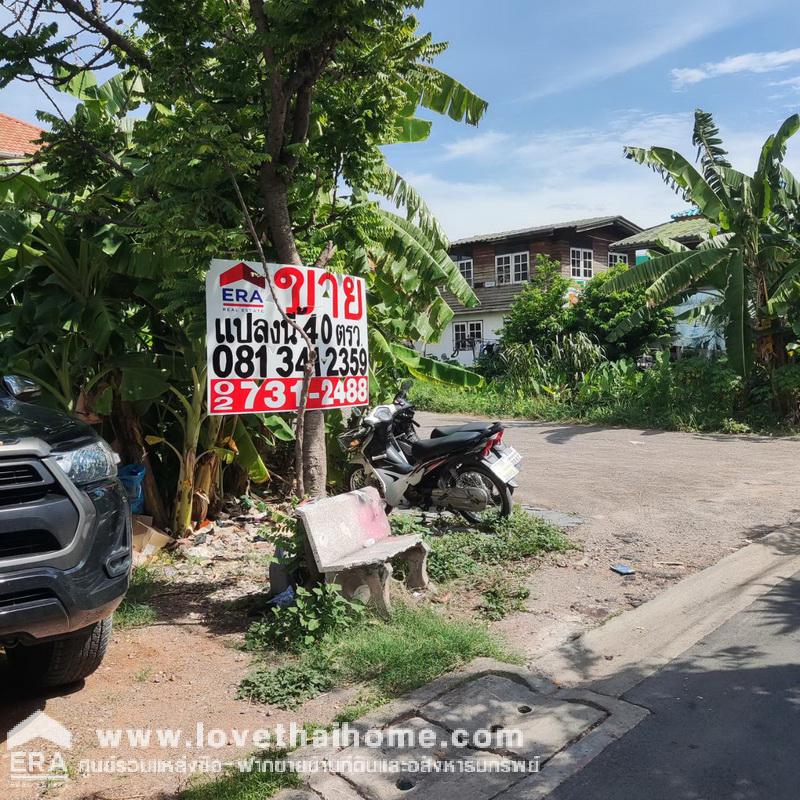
466	470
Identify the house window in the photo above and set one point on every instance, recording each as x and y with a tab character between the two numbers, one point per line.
512	268
465	268
617	258
581	261
466	334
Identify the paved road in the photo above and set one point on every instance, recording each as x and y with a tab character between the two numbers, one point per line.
665	503
725	722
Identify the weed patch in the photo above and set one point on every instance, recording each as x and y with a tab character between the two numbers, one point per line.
410	648
458	553
134	610
234	784
290	685
501	597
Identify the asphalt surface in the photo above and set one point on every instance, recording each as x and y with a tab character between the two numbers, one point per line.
665	503
725	717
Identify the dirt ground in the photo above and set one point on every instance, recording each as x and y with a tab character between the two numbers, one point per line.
666	504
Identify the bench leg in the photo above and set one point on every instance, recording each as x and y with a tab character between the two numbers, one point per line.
417	559
377	578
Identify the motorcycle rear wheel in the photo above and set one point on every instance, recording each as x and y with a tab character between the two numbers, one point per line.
499	491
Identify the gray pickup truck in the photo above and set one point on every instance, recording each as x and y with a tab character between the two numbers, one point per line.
65	541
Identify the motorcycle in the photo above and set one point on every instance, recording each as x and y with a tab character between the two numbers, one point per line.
405	433
464	471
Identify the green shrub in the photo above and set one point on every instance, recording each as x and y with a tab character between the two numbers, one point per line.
537	313
598	312
314	614
693	394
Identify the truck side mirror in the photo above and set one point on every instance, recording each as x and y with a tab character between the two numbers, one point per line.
21	388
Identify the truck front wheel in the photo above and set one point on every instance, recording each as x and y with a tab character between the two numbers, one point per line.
61	661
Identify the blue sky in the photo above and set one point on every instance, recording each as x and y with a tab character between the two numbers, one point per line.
569	84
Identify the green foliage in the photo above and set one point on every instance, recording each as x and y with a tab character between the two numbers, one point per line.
314	614
236	784
693	394
752	250
598	313
394	655
528	370
287	686
456	553
537	313
410	649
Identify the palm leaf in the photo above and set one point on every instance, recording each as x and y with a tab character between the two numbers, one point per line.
688	272
409	247
393	186
738	336
430	369
445	95
681	176
710	152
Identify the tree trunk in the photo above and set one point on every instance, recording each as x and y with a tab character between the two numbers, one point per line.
315	457
311	424
129	431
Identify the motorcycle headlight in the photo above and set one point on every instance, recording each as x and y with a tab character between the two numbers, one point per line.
87	464
383	413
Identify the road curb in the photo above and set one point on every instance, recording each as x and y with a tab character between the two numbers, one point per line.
614	657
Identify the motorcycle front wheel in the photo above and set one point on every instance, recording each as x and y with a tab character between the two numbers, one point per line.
478	475
357	478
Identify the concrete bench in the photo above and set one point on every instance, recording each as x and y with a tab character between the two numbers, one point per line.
351	542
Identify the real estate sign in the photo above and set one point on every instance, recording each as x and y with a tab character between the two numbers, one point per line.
256	358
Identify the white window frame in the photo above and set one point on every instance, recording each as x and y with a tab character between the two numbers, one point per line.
581	261
617	258
466	333
516	267
466	266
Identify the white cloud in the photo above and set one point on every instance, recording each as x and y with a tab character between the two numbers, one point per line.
791	83
480	144
756	63
639	39
577	172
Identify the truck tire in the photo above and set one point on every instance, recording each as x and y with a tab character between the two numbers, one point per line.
61	661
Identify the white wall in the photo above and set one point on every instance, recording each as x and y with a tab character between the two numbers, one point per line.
492	323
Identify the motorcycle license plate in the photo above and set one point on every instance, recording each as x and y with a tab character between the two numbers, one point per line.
504	468
512	455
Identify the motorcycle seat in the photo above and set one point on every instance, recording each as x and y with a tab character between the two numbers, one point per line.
432	448
448	430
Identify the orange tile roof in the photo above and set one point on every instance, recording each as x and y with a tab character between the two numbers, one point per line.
17	137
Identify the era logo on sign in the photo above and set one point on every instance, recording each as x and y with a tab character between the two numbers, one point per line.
242	297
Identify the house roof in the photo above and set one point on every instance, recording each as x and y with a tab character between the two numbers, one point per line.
17	137
580	225
491	298
690	230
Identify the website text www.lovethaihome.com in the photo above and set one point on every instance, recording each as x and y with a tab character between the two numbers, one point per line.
284	748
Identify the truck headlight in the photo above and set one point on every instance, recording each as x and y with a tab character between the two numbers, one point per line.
87	464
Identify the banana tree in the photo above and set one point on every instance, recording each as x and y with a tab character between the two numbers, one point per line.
750	256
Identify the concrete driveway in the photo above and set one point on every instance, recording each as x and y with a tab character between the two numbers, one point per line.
665	503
